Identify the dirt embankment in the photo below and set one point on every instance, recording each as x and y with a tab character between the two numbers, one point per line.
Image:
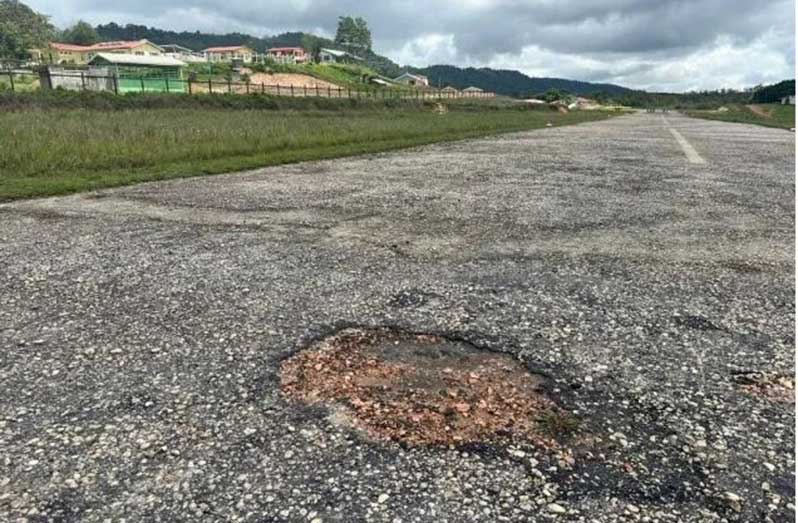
289	79
758	109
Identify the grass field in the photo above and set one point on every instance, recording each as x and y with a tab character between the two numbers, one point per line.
59	151
770	115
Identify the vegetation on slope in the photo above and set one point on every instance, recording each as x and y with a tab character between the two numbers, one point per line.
770	115
774	93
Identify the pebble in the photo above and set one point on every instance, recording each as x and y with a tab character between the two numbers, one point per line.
555	508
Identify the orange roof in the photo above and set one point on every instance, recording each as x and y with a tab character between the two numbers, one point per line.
120	44
285	49
68	47
102	46
225	49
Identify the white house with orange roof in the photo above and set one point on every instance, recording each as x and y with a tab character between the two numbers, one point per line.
229	53
287	55
61	53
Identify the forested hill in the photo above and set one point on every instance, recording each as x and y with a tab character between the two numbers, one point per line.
774	93
512	83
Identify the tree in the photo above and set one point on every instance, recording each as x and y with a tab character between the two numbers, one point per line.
555	95
353	35
22	29
312	44
82	33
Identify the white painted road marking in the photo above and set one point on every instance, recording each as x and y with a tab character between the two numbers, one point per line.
692	154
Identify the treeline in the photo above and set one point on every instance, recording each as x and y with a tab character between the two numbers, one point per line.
701	99
510	83
194	39
774	93
691	100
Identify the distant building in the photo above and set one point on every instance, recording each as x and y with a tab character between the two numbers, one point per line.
449	89
412	79
473	89
229	53
142	73
287	55
788	100
179	52
330	56
60	53
118	72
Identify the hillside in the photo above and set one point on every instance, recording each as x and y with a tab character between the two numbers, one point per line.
774	93
511	83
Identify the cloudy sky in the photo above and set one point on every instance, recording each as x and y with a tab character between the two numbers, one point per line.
671	45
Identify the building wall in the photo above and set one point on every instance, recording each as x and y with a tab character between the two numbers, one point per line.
245	55
69	57
93	79
145	49
411	81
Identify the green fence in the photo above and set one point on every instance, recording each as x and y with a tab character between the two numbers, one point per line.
151	85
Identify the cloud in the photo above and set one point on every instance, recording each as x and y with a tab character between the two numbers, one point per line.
662	44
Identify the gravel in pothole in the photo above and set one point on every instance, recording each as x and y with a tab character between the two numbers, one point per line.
423	389
773	386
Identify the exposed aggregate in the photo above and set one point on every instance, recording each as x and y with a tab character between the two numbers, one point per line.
142	330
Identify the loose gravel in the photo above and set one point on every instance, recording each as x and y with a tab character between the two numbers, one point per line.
143	330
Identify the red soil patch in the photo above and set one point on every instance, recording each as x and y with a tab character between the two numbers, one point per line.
769	385
422	389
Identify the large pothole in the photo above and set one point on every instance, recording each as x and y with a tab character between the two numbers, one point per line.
424	389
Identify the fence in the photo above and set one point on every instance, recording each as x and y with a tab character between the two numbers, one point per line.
86	81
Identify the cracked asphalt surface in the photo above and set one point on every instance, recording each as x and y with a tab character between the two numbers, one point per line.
142	330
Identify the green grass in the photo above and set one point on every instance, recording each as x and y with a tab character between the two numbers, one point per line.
776	115
60	151
22	82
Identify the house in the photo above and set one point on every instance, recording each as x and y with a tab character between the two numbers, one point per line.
449	89
135	47
136	73
412	79
473	89
287	55
331	56
182	53
229	53
60	53
788	100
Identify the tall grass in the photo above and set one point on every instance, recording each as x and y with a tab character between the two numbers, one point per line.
61	151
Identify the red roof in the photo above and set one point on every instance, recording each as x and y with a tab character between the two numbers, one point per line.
68	47
225	49
102	46
285	50
118	45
